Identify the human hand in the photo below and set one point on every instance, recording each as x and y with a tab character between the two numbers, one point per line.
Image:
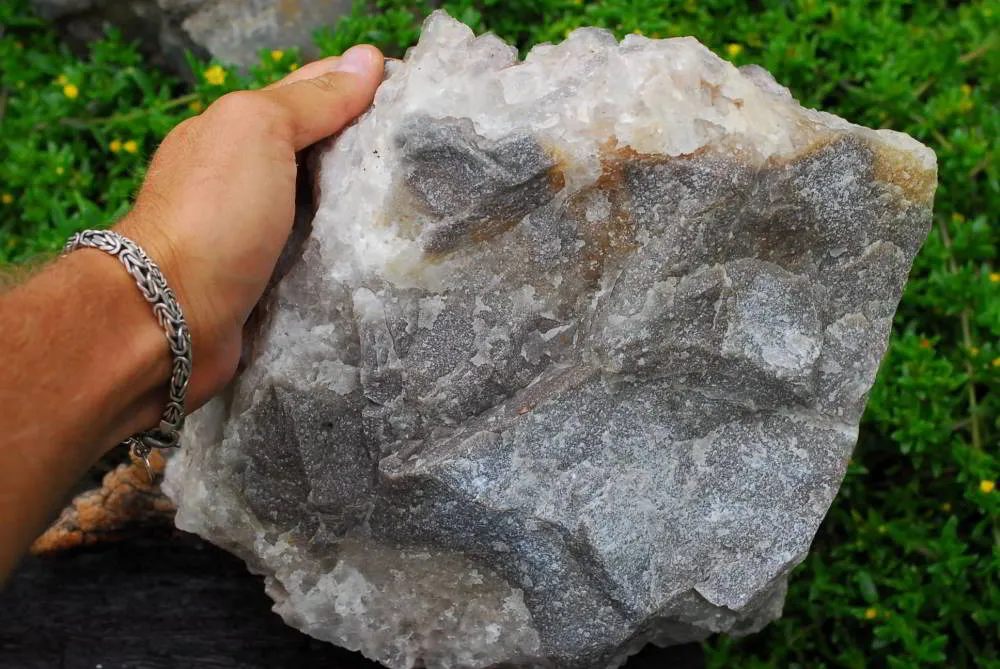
83	361
218	201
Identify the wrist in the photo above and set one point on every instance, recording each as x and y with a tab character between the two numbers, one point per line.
215	337
132	354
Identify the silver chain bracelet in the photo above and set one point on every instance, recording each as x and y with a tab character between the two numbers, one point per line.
153	287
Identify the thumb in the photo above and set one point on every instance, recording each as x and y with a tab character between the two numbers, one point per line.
319	106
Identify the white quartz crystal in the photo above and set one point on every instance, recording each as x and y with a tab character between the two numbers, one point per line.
571	358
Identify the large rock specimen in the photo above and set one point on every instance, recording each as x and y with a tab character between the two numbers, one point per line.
571	360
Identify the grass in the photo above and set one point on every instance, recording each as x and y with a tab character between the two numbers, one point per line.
903	572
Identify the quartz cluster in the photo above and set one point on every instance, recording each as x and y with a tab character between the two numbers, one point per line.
571	358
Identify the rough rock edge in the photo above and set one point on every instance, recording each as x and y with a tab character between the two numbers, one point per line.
897	167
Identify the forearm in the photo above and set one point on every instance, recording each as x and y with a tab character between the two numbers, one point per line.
83	364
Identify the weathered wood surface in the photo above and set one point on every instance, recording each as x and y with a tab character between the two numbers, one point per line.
171	602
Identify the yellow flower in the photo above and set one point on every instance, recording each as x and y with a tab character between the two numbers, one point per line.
733	50
196	106
215	75
946	507
71	91
60	170
871	613
115	145
996	362
986	487
131	146
966	89
6	198
995	277
293	67
973	350
277	55
957	218
636	32
62	80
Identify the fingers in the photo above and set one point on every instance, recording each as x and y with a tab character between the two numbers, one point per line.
314	69
314	102
307	71
322	97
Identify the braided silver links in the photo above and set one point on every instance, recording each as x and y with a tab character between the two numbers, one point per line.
167	310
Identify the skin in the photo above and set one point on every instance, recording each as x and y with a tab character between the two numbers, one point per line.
83	362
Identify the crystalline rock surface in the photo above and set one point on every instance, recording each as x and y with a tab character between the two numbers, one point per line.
571	358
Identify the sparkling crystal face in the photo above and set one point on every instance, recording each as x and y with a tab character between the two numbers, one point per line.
572	361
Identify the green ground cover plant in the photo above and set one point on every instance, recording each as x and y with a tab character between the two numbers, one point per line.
904	570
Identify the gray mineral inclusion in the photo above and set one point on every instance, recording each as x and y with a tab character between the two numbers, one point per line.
571	358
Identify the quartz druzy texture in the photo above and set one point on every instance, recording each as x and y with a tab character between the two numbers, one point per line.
571	359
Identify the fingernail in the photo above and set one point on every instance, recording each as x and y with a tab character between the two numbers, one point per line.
357	60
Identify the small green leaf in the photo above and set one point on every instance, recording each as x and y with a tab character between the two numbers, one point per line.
866	586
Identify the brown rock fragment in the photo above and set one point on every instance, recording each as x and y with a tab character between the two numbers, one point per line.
125	503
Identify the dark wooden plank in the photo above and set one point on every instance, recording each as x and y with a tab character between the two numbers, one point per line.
150	604
171	603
